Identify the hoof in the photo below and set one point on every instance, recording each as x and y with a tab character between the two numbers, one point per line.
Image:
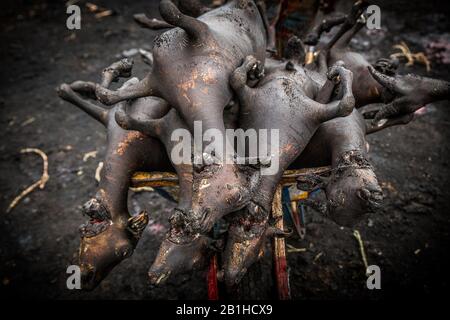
106	96
64	91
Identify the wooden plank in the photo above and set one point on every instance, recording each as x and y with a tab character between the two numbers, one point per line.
279	250
290	176
165	179
154	179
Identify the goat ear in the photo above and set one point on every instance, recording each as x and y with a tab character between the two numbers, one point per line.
95	209
363	194
137	224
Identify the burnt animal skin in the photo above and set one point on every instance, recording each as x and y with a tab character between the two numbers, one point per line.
365	88
206	61
111	234
352	188
192	65
195	81
282	100
411	93
184	248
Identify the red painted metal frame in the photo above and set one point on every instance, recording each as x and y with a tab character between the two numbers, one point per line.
213	288
279	250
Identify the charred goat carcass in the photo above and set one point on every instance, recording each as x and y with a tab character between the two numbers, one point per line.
284	100
111	234
192	65
213	58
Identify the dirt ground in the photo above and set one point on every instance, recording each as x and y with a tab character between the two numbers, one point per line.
409	238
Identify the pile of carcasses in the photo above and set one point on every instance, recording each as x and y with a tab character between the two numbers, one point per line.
218	67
